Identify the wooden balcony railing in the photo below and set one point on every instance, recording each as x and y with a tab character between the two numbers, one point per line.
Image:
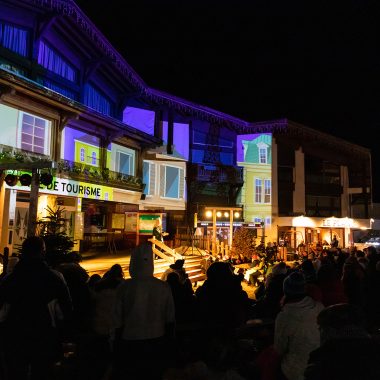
216	173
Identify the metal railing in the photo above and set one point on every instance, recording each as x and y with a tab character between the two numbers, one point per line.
93	174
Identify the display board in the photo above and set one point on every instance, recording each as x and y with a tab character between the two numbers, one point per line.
130	222
118	221
146	223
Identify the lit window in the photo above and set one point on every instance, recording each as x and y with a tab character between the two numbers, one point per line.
263	155
14	38
82	154
258	190
125	163
93	158
34	134
53	61
172	182
95	99
267	191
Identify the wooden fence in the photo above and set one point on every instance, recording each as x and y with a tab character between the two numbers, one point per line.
202	242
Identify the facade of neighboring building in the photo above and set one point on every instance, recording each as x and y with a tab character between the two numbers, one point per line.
254	154
321	185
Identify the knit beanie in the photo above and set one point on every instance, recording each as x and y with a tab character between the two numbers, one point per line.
294	285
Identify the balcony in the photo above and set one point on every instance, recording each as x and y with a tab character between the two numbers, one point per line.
232	175
103	176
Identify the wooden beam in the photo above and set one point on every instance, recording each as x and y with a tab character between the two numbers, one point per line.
43	164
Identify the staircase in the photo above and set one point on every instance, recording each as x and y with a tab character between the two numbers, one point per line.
192	265
167	256
193	261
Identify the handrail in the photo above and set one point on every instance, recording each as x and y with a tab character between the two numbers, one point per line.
166	253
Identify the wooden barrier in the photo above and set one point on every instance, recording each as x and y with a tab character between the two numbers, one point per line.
202	242
165	252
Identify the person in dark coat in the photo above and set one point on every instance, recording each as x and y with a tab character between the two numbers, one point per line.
158	233
347	351
270	304
38	302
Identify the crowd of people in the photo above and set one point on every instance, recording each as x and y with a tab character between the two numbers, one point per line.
320	316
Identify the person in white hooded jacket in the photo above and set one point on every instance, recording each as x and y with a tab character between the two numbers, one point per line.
296	330
143	321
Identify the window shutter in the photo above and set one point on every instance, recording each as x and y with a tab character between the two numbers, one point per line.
181	183
162	180
152	179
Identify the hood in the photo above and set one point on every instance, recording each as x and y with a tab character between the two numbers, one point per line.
141	264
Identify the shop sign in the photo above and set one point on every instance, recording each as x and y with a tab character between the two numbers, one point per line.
221	224
78	189
338	222
226	224
60	186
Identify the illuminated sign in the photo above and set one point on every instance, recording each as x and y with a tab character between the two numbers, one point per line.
221	224
338	222
60	186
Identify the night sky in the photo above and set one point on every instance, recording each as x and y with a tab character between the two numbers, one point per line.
313	62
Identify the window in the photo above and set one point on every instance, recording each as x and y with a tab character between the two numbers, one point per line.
149	177
82	154
267	190
171	182
263	155
125	163
263	152
14	38
94	99
258	190
53	61
263	194
93	158
34	134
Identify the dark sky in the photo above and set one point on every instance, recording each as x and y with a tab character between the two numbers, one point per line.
313	62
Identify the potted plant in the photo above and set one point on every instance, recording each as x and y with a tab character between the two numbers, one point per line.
52	228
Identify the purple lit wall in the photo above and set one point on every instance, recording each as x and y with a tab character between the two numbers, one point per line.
141	119
240	146
69	136
180	139
206	138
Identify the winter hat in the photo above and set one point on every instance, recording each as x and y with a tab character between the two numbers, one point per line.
294	284
178	264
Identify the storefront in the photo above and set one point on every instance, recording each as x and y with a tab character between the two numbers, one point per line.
94	213
310	231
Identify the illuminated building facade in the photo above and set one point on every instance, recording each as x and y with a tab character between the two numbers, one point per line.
118	147
114	145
